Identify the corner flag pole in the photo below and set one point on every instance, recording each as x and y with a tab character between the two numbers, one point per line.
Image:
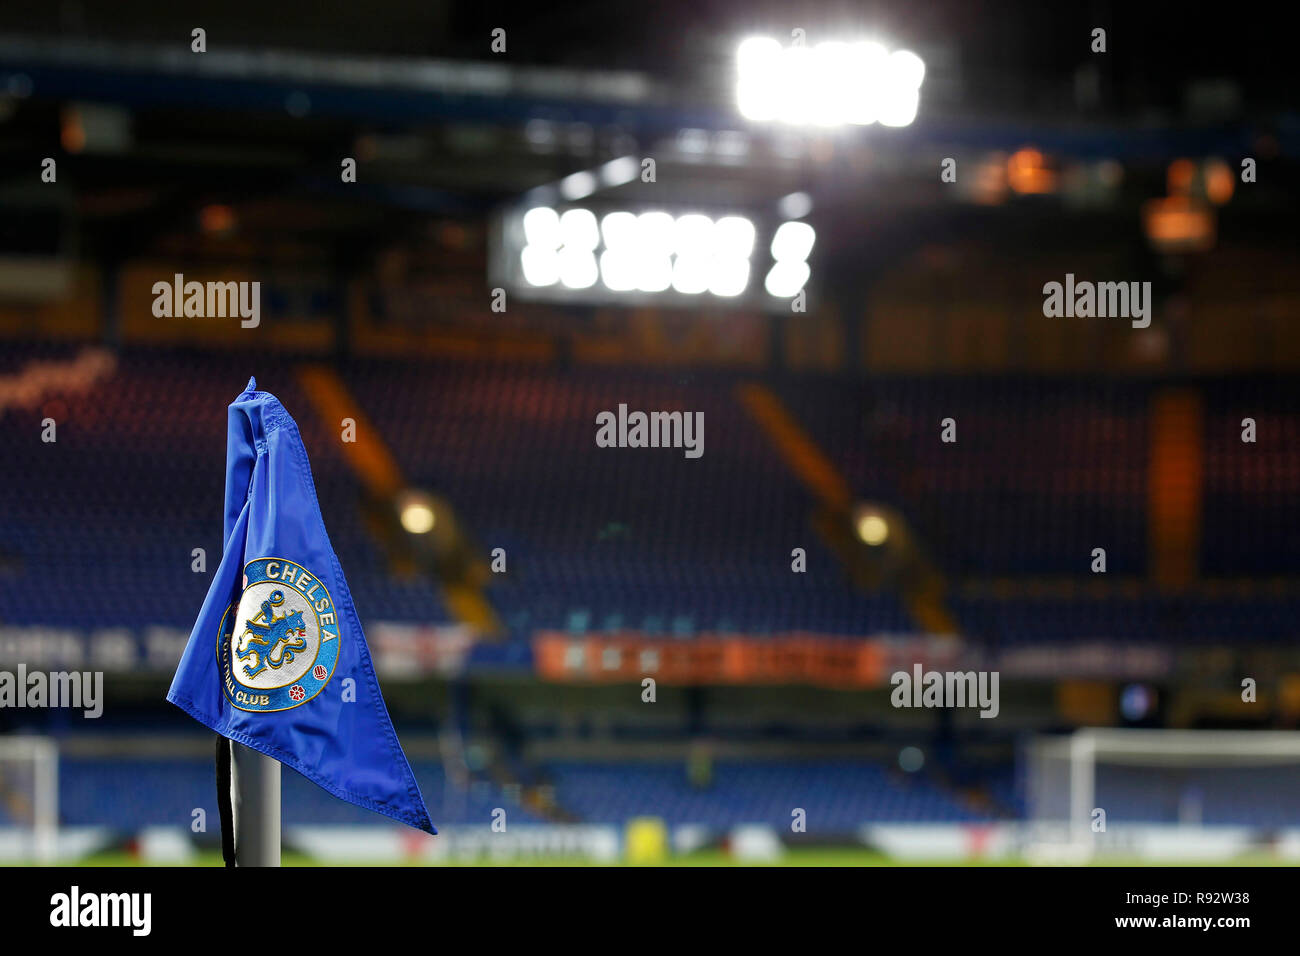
255	796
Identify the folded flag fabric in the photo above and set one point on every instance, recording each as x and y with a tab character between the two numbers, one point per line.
277	660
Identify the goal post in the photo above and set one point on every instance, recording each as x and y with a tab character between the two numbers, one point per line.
29	798
1079	785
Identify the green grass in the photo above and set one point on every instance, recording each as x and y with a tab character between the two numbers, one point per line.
831	856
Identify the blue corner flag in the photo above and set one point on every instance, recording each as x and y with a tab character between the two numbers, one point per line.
278	642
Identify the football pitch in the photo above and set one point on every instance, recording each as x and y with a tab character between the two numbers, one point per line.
809	857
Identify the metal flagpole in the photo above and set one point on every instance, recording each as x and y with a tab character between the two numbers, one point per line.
255	796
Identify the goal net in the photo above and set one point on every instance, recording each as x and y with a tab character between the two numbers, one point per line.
29	799
1160	792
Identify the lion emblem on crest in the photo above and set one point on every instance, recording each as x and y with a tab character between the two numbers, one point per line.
270	641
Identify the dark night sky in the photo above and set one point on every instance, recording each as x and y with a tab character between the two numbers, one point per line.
1005	55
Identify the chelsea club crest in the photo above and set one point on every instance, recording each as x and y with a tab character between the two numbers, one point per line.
278	645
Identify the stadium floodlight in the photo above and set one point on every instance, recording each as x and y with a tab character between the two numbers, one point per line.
654	272
790	248
618	270
541	267
578	269
900	109
691	253
795	205
560	248
542	228
693	235
907	69
619	230
793	241
835	83
691	275
578	230
578	185
629	255
655	232
785	279
694	244
729	277
760	68
619	171
734	236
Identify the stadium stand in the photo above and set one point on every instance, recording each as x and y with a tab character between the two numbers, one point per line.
1042	472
